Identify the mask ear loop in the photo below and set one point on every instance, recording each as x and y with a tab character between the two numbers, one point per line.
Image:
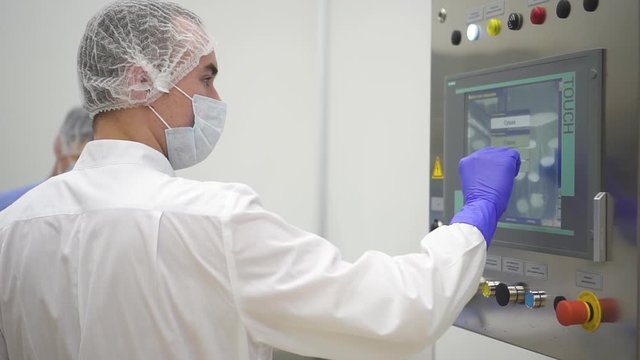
159	117
183	93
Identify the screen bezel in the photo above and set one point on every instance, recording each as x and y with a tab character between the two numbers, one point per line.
577	210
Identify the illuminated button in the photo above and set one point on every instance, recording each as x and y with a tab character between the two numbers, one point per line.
494	26
563	9
515	21
538	15
535	299
473	32
573	312
509	294
489	288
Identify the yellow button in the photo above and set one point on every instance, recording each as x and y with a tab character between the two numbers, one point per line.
486	290
494	26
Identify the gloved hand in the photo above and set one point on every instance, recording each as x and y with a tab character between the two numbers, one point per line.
487	178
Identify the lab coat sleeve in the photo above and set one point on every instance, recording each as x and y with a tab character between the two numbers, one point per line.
294	292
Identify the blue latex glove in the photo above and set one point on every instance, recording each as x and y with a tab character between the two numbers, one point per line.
487	178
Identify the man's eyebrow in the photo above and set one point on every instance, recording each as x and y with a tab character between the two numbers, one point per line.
212	68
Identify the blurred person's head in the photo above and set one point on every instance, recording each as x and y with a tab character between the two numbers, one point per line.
75	132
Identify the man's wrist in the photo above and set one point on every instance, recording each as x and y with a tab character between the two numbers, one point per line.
481	214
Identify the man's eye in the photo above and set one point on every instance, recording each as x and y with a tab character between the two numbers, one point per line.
208	81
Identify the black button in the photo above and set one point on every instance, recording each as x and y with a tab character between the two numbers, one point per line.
502	294
456	37
590	5
515	21
563	9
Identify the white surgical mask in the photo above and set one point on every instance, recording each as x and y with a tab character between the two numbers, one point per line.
187	146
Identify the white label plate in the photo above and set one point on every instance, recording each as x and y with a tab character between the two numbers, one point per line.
588	280
493	9
475	14
536	271
493	262
513	266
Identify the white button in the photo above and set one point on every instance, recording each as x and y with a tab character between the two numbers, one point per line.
473	32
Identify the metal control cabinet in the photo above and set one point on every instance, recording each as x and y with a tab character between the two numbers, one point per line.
511	39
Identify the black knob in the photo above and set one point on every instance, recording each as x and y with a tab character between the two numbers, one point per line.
563	9
515	21
456	37
509	294
590	5
502	294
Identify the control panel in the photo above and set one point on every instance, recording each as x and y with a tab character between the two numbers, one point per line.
587	310
548	78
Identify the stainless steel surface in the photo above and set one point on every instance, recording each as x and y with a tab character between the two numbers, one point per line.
613	26
600	227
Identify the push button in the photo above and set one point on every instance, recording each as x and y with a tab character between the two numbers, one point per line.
494	26
473	32
489	288
538	15
590	5
563	9
456	37
587	310
506	294
515	21
535	299
573	312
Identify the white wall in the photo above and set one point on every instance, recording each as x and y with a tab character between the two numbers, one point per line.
378	125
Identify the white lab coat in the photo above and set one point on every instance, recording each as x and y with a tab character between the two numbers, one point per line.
120	259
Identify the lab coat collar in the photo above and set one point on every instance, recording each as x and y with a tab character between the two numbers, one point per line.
98	153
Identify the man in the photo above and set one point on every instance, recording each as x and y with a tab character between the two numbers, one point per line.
75	132
121	259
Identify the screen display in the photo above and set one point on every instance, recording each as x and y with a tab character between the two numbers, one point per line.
524	116
550	110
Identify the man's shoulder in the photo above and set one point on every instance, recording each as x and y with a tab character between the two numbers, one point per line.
207	196
10	196
212	187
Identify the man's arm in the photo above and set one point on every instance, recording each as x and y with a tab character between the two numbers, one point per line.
294	291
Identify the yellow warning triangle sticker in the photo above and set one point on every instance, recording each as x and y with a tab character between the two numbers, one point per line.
437	170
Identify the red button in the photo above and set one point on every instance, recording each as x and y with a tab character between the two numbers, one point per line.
572	312
538	15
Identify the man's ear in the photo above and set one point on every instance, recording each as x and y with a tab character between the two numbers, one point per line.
139	83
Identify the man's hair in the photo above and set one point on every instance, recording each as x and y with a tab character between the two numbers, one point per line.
132	51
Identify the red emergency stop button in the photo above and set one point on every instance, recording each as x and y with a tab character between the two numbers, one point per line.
573	312
587	310
538	15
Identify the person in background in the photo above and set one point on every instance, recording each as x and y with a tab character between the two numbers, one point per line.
122	259
75	132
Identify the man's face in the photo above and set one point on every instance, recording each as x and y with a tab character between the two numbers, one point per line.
175	108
